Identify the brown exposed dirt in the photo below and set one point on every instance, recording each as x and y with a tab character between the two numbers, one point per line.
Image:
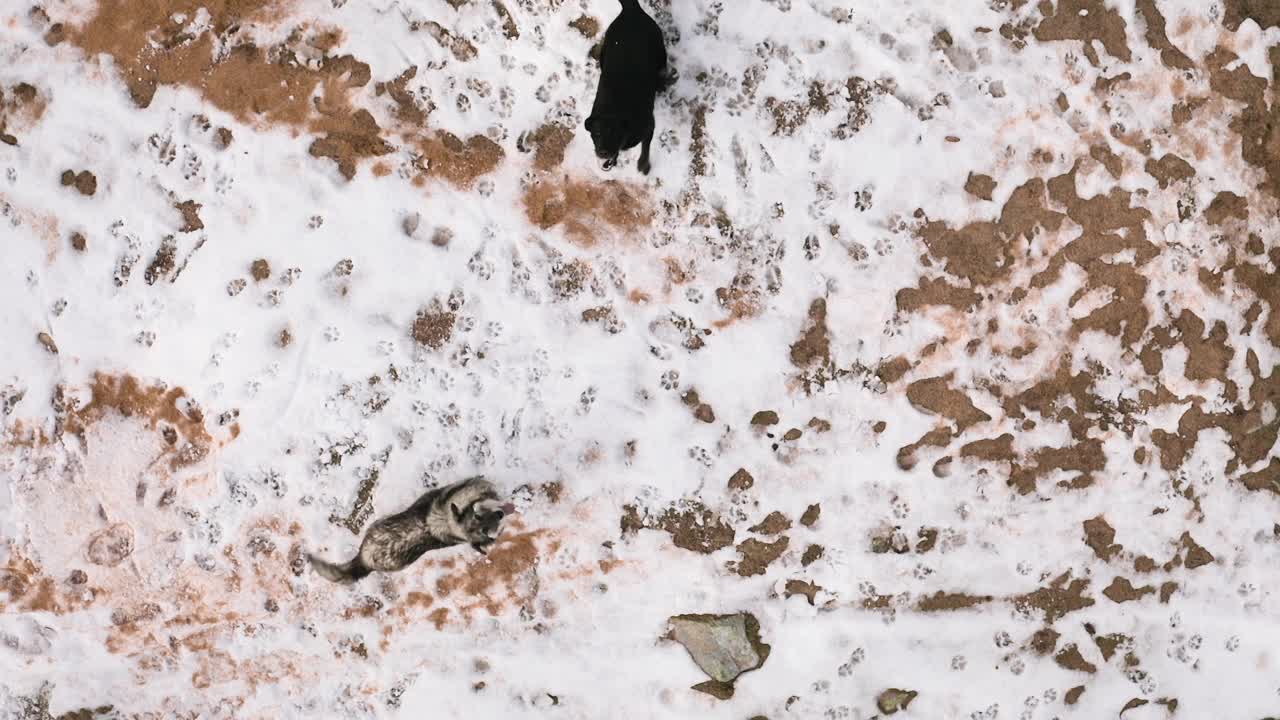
1121	591
588	26
937	397
775	523
164	409
1044	641
757	555
814	344
409	110
1070	658
936	292
433	326
548	143
459	163
811	515
349	137
1061	596
1169	169
1171	56
765	418
1087	21
949	602
21	107
83	181
980	186
190	211
802	587
691	524
1100	536
811	555
260	270
1265	13
1225	206
741	480
501	579
587	211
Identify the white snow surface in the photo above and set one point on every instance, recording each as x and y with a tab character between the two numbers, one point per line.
527	394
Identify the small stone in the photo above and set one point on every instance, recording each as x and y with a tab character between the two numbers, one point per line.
811	555
410	224
741	480
811	515
271	605
260	269
705	413
78	243
110	546
222	138
68	177
723	646
47	341
78	577
792	434
892	700
442	237
765	417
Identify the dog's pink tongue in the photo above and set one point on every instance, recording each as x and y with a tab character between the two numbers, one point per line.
508	508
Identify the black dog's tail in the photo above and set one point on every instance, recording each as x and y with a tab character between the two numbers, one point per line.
631	5
345	573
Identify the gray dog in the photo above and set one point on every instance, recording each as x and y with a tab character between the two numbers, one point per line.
468	511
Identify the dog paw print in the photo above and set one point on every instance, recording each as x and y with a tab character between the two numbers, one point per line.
812	247
901	508
958	663
273	298
586	400
314	222
146	338
701	456
332	334
862	199
480	266
855	659
235	287
386	347
670	380
478	451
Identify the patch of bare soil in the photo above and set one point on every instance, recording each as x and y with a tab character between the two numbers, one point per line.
756	555
1061	596
937	397
587	211
433	326
547	143
814	345
84	181
1087	21
588	26
1157	38
164	409
1100	537
460	163
21	107
190	211
692	526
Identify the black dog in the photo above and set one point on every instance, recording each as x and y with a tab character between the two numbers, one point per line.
633	68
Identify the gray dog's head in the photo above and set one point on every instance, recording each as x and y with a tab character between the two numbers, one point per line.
481	520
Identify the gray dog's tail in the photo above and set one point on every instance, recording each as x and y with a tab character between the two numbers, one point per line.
345	573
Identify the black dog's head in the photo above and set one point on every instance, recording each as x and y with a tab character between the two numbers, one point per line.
611	135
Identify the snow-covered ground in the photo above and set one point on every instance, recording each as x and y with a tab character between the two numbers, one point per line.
940	341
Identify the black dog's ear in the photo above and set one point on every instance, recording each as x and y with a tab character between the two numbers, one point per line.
590	124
